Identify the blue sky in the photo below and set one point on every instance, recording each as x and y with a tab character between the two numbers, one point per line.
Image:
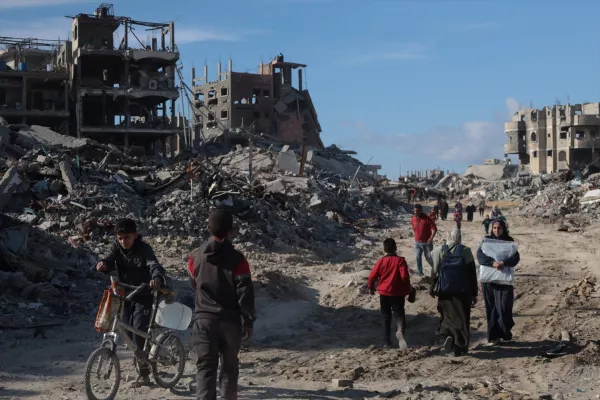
411	83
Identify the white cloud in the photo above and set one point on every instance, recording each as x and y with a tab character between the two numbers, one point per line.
512	105
466	144
185	35
8	4
48	28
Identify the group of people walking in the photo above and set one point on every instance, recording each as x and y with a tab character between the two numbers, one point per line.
454	282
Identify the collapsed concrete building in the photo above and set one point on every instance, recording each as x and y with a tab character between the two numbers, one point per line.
556	138
34	86
92	86
266	102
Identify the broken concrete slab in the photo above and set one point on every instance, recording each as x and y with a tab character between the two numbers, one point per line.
8	185
275	187
67	175
287	162
285	148
37	136
342	383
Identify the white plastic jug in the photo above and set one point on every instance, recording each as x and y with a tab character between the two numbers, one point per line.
173	315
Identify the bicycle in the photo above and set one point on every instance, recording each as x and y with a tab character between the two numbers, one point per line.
154	352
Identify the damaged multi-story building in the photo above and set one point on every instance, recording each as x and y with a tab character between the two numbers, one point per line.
556	138
34	86
267	102
106	83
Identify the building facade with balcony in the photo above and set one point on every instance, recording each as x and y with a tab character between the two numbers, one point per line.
555	138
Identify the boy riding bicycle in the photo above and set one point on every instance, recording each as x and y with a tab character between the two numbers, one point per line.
136	264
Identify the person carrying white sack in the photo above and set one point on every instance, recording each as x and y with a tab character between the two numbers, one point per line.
497	260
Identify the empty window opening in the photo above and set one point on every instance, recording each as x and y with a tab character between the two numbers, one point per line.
563	134
579	135
211	116
562	156
533	137
199	97
224	114
224	91
577	112
592	134
75	33
549	153
212	93
535	154
534	116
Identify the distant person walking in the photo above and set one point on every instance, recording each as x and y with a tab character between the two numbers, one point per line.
391	278
444	209
499	299
481	206
458	214
455	285
470	211
424	229
495	213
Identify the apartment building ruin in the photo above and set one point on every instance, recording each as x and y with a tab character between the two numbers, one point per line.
34	86
556	138
267	102
107	83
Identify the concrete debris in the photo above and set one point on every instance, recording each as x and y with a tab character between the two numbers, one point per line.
67	175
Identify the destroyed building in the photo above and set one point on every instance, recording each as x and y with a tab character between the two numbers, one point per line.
555	138
105	84
267	102
34	87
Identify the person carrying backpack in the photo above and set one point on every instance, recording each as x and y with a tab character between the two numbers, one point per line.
391	277
455	285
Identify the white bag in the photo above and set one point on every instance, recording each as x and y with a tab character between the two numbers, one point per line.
499	250
492	275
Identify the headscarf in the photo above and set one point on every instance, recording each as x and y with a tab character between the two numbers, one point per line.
455	236
505	235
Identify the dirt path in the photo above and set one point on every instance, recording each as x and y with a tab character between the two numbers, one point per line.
318	323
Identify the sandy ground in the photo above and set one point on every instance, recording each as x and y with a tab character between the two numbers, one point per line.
318	323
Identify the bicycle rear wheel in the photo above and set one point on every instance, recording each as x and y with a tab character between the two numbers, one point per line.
168	360
102	358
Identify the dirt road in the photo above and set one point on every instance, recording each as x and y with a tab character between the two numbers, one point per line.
318	323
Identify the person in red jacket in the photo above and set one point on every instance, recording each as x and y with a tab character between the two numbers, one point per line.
391	277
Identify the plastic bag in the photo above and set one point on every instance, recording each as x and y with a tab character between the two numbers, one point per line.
499	250
109	307
500	277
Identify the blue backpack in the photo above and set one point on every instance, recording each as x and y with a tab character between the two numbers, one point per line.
453	277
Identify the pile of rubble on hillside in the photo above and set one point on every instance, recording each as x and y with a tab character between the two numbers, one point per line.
73	190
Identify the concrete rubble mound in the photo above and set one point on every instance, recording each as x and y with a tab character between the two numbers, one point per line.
61	196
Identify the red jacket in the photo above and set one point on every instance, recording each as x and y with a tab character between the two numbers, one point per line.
392	273
423	227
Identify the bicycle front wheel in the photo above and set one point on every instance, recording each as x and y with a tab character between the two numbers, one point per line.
168	360
102	375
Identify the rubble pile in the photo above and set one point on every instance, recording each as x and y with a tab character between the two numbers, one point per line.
73	190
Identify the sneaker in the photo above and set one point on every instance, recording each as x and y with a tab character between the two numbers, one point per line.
449	344
493	343
402	345
142	381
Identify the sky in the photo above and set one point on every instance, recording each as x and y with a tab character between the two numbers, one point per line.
408	84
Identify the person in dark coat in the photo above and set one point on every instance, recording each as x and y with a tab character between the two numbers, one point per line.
498	299
470	211
444	209
455	309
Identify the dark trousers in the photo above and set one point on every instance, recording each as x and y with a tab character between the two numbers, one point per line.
217	341
470	217
138	315
481	211
486	225
499	301
392	305
458	223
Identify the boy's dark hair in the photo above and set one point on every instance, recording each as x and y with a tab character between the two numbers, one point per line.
220	223
125	226
418	206
389	245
